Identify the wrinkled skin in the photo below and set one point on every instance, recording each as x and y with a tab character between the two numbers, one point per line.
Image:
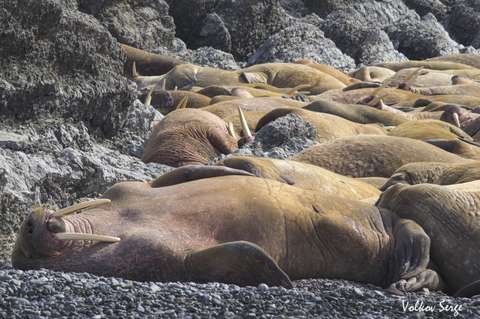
472	60
435	173
304	176
223	237
461	146
427	64
167	101
188	136
327	126
372	155
450	217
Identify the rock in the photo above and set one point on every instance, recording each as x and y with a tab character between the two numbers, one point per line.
423	7
214	33
57	164
421	39
61	63
249	22
366	45
281	138
208	56
295	8
143	24
301	40
463	22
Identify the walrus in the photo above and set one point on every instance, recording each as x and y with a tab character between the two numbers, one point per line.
470	59
372	155
148	63
427	64
261	104
325	68
434	173
449	216
463	147
428	130
302	175
167	101
188	136
373	74
357	113
472	89
280	75
327	126
425	78
232	229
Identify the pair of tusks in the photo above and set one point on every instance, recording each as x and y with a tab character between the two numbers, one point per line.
243	122
81	236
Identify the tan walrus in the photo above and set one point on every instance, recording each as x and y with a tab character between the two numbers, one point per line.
372	155
211	230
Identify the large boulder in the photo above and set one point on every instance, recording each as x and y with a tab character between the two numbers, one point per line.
249	23
353	34
421	38
463	22
59	62
140	23
299	41
423	7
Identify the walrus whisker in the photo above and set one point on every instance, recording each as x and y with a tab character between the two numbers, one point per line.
82	236
77	207
243	121
231	130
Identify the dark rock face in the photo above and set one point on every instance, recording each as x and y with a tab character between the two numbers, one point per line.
249	23
352	34
61	63
422	7
421	39
144	24
463	22
301	40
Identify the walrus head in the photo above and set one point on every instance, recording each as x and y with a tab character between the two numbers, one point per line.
46	233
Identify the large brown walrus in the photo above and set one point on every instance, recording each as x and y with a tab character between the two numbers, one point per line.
450	217
303	175
435	173
372	155
148	63
189	136
232	229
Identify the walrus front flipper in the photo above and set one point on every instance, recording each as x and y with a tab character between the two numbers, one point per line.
412	255
193	172
469	291
240	262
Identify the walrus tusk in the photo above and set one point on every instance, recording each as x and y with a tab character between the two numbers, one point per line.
77	207
243	121
82	236
456	119
231	130
148	99
134	70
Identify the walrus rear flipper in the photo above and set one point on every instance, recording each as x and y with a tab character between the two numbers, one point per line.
412	255
469	291
240	262
193	172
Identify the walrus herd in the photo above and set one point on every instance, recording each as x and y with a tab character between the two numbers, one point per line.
389	194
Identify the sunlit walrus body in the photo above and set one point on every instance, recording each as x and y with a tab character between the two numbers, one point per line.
231	229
